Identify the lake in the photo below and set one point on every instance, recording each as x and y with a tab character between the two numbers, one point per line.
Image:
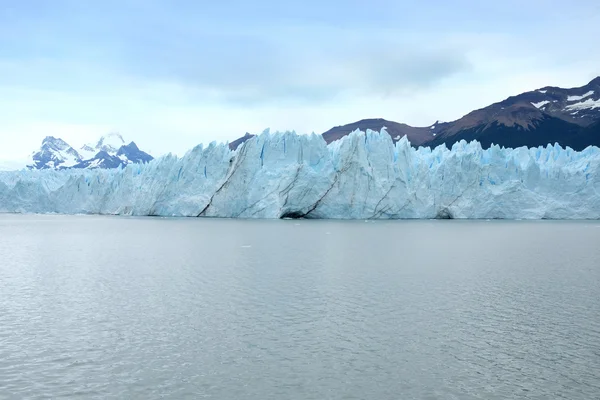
148	308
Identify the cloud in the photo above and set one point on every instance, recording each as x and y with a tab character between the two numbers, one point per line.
173	74
243	57
296	68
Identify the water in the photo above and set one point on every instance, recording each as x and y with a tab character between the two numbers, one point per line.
147	308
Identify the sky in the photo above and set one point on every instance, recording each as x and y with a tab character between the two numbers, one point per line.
175	73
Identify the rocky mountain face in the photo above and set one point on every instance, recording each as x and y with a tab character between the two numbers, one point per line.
570	117
54	153
109	152
417	136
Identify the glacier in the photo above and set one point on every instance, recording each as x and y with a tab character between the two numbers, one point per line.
362	176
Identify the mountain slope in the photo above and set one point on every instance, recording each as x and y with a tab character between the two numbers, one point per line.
110	143
54	153
108	155
396	130
110	151
101	160
132	154
542	131
570	117
547	115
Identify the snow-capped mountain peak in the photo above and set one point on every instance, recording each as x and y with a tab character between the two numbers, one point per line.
576	105
568	116
110	151
132	154
54	153
110	143
87	151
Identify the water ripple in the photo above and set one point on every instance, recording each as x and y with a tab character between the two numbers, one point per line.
97	307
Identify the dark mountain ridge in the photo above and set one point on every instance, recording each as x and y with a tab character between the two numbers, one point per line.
569	117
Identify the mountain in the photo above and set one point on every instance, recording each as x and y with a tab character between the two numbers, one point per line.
110	143
550	114
416	136
101	160
53	154
110	151
111	156
570	117
132	154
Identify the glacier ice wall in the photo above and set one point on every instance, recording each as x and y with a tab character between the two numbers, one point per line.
362	176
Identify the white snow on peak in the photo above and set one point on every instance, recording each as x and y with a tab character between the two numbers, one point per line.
540	104
110	143
577	98
542	91
69	159
432	127
124	158
364	175
54	153
87	151
589	104
95	163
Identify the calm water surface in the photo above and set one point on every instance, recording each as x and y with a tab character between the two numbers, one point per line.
148	308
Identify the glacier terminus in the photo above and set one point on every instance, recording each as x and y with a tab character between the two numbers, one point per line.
364	175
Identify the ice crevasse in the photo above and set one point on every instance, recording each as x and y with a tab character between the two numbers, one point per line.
364	175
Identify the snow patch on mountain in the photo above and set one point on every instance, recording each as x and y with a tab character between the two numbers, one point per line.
577	98
54	153
589	104
110	143
540	104
110	151
87	151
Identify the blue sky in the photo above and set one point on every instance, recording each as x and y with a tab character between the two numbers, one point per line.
172	74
